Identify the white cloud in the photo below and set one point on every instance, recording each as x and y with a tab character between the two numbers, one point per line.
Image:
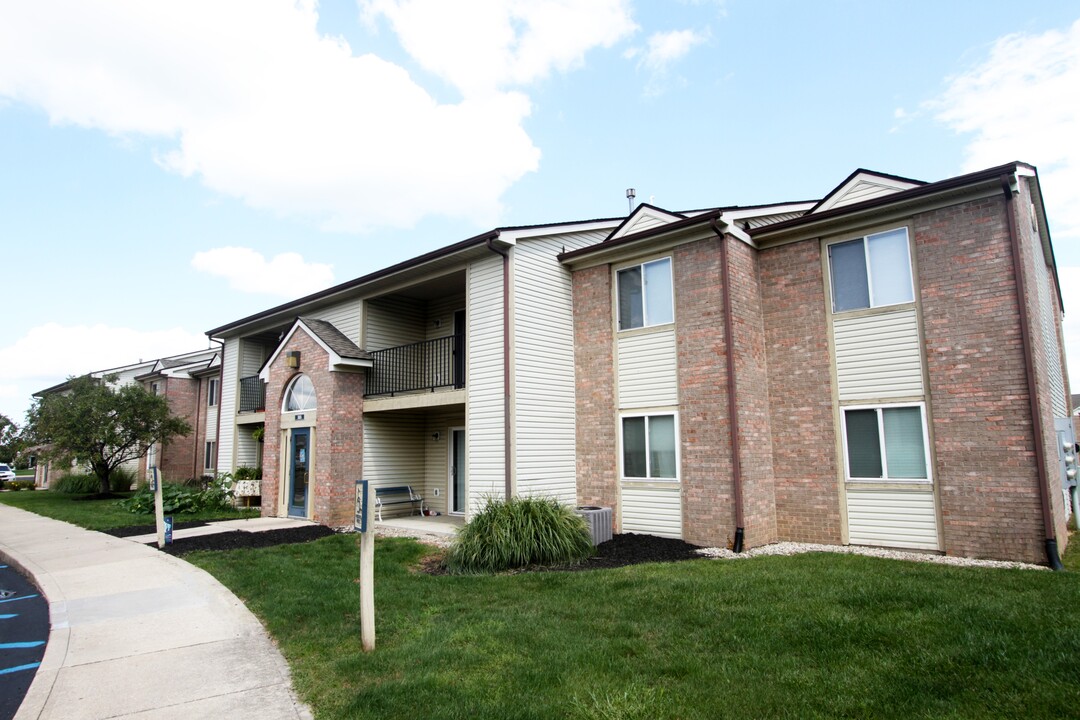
481	47
48	354
1023	103
251	99
286	275
662	50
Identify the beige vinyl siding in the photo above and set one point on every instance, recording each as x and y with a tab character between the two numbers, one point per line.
1051	351
253	355
345	317
878	355
394	452
892	518
393	321
247	453
644	221
657	511
439	315
484	381
764	220
646	369
437	457
862	190
544	388
230	381
212	420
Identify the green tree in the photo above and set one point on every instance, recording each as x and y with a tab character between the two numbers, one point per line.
100	426
11	442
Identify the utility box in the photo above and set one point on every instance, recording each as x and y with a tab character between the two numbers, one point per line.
599	521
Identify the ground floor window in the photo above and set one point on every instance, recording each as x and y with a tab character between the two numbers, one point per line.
208	459
649	447
886	443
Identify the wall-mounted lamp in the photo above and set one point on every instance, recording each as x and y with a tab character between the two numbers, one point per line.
437	322
292	359
435	436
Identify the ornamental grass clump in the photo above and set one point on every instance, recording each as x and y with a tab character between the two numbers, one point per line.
520	532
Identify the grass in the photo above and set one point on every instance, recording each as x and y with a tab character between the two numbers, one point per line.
99	514
815	635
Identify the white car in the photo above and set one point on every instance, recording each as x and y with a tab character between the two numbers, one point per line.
6	473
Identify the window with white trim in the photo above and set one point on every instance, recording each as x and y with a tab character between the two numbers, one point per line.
300	395
645	296
208	459
871	271
649	447
885	443
212	392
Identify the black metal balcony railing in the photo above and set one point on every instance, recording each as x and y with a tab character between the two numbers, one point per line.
252	395
425	365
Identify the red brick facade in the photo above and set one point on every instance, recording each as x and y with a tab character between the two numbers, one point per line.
336	434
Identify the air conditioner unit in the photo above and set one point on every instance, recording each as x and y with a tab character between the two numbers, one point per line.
599	521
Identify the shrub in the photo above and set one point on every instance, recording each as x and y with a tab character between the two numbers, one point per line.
246	472
519	532
179	498
120	480
20	485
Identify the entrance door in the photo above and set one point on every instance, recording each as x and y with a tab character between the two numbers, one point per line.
298	471
457	470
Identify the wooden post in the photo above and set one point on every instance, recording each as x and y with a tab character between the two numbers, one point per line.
365	502
159	510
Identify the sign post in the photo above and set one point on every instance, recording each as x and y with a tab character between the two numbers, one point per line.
159	510
365	525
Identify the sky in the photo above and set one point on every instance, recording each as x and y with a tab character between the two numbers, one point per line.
167	167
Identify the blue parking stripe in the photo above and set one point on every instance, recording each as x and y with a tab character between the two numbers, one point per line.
17	668
17	645
24	597
2	567
8	617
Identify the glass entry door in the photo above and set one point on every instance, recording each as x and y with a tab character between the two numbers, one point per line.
298	471
457	470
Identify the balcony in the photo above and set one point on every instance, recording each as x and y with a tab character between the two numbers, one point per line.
252	395
427	365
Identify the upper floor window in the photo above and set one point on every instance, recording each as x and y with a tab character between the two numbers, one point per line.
871	271
300	395
212	392
153	388
645	295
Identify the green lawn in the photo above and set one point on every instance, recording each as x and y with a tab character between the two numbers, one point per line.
98	514
808	636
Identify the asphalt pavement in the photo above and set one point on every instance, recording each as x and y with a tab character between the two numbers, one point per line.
24	630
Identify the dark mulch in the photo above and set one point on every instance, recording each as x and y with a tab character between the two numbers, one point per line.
238	539
98	496
132	530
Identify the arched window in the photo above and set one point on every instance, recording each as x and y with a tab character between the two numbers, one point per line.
300	395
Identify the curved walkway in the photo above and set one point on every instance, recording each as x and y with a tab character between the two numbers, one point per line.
136	633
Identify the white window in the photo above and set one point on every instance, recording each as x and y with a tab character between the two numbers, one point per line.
153	388
645	295
300	396
208	459
886	443
871	271
649	447
212	392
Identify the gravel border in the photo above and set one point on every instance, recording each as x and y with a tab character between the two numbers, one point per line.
792	548
437	539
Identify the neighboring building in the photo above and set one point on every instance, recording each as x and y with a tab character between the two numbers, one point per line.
186	381
872	371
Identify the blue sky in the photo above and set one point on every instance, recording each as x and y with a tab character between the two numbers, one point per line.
168	167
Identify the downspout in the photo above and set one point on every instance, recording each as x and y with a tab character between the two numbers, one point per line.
1052	557
733	406
506	361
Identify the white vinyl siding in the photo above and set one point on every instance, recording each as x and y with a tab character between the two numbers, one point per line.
394	452
862	190
878	356
1048	325
227	406
892	518
393	321
439	315
647	369
247	448
643	221
544	388
484	381
253	356
657	511
345	317
436	469
212	423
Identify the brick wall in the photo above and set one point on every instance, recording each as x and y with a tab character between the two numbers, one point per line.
981	425
800	396
597	463
176	458
337	434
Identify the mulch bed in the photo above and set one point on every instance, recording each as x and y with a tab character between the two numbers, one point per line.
635	548
238	539
133	530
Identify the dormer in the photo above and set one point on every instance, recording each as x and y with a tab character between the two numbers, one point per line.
644	217
864	185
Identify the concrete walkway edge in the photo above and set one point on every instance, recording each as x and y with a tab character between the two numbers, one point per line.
122	614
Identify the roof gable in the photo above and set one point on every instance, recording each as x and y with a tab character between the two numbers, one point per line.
864	185
342	353
644	217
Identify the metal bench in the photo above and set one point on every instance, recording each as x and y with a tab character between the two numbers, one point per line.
396	495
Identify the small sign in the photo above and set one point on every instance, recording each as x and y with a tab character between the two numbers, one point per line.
168	529
298	417
153	479
360	521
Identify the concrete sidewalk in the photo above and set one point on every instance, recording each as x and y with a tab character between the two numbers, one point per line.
137	633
